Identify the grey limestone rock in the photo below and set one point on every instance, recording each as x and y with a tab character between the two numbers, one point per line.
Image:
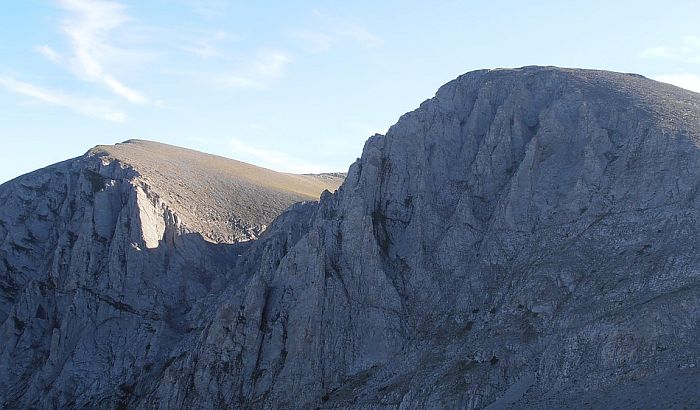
103	269
524	239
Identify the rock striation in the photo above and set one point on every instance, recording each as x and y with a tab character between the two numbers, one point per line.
103	257
524	239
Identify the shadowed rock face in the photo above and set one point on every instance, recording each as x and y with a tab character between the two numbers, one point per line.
106	261
526	238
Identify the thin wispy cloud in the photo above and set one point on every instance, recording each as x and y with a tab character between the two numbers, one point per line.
684	80
258	73
361	35
208	44
209	9
271	63
89	26
49	53
332	30
271	158
686	51
311	40
81	105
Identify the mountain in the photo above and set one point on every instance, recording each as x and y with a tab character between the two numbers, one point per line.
138	230
524	239
223	199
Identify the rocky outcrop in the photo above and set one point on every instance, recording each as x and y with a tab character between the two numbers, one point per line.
102	272
524	239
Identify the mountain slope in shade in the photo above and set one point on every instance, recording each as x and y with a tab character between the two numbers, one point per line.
525	239
110	253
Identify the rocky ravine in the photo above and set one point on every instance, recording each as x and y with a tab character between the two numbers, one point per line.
525	239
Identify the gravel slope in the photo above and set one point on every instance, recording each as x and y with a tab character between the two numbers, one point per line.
223	199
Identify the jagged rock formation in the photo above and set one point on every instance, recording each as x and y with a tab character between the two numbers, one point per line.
103	257
524	239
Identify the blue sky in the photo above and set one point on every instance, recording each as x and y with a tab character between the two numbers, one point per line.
293	86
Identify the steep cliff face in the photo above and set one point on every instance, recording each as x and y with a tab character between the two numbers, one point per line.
102	272
525	238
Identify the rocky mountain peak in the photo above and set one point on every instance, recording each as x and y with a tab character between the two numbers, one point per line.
223	199
525	238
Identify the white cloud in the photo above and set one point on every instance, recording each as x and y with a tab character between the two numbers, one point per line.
120	89
684	80
271	64
273	159
267	66
83	106
49	53
209	9
692	41
687	51
203	48
361	35
89	26
208	44
333	30
657	52
237	81
312	41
